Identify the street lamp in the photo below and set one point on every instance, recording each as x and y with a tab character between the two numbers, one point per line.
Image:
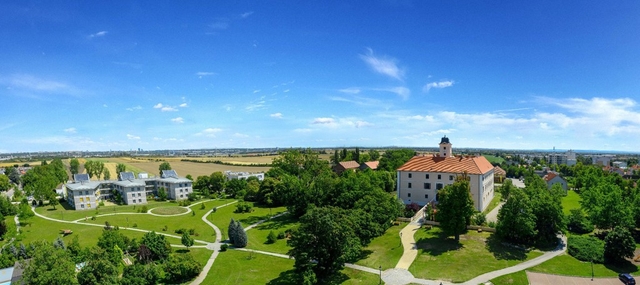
591	268
380	268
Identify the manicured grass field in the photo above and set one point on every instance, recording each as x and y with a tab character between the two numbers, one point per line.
40	229
442	258
567	265
235	267
494	202
66	213
171	210
222	216
571	201
384	250
258	235
154	223
494	159
518	278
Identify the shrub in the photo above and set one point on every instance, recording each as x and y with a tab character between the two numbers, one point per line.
492	224
410	210
135	225
224	247
180	231
193	213
271	238
202	206
618	245
165	228
243	207
101	204
192	231
93	218
479	219
578	223
144	209
281	235
586	248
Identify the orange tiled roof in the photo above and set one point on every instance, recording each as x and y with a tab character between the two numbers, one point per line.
372	164
351	164
499	171
470	165
549	176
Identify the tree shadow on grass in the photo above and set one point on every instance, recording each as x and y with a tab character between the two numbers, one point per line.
278	223
623	267
285	278
182	250
504	251
253	219
437	245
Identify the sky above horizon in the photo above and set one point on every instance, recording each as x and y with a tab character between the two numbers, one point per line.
122	75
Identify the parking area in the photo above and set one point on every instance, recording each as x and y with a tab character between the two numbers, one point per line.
550	279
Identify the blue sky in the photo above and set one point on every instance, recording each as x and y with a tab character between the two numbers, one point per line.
122	75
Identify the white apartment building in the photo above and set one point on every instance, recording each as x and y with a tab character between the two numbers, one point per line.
422	176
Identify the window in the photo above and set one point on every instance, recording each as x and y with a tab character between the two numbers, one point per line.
139	194
409	175
409	195
439	186
86	192
133	201
451	177
426	196
426	176
439	176
409	185
89	205
427	186
82	206
140	200
81	200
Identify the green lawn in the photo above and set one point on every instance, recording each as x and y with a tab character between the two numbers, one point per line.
236	267
442	258
493	159
66	213
158	223
384	250
567	265
170	210
258	235
571	201
494	202
518	278
222	216
41	229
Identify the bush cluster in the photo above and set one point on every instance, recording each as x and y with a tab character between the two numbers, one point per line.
586	248
243	207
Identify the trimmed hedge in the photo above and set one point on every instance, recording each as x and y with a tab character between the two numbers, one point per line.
586	248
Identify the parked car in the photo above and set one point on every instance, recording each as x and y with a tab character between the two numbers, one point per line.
627	279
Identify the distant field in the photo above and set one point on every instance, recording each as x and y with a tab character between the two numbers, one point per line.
183	168
8	164
494	159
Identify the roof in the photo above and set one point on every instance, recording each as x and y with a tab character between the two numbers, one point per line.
550	176
174	180
462	164
169	173
372	164
89	185
81	177
129	183
351	164
499	171
444	139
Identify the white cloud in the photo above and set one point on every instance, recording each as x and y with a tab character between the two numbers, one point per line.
178	120
98	34
276	115
256	91
323	121
383	66
183	105
209	132
70	130
256	105
439	85
158	106
350	90
303	130
227	107
403	92
286	91
246	14
37	84
168	109
239	135
205	73
360	124
132	137
105	105
134	108
220	25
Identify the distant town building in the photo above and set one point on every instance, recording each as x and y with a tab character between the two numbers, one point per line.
604	159
243	175
499	174
422	176
346	165
568	158
84	194
373	165
552	178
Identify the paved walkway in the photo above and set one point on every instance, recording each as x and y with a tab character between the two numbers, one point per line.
409	244
493	215
550	279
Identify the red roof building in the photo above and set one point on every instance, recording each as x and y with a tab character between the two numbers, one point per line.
346	165
422	176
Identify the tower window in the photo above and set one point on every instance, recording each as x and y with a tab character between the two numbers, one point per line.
427	186
409	195
426	176
409	175
439	176
409	186
426	196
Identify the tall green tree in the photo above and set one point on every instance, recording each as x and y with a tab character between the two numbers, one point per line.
455	208
164	166
74	166
157	244
120	167
106	174
606	206
179	268
98	269
516	221
140	274
217	181
618	245
391	160
327	236
374	154
187	240
49	265
5	183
